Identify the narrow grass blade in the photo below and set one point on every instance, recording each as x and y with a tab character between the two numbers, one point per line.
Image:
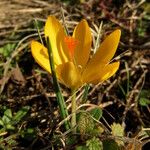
38	30
85	94
60	99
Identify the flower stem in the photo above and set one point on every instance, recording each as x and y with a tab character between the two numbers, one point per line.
73	106
60	98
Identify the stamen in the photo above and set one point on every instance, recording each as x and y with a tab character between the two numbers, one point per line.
71	44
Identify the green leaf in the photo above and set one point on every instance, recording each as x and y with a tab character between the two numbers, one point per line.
1	122
96	113
59	96
81	148
28	134
3	130
144	98
117	130
85	123
85	94
7	116
9	127
20	114
146	7
94	144
144	101
7	49
8	113
110	145
145	93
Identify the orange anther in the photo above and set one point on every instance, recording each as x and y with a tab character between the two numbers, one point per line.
71	44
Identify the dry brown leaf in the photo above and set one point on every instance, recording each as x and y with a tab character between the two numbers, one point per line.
17	76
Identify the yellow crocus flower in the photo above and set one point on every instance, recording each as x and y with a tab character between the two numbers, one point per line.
73	64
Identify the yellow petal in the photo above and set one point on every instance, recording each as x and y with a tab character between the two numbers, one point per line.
83	34
68	75
89	73
40	54
63	50
99	74
107	72
106	50
52	28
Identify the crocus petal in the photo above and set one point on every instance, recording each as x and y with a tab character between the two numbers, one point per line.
62	47
101	74
106	50
68	74
83	35
40	54
52	28
89	73
107	72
